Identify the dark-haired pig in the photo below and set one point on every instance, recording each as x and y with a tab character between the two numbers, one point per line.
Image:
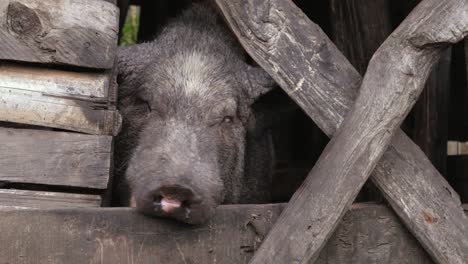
192	137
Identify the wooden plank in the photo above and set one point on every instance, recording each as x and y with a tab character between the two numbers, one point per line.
458	124
304	62
466	58
71	32
368	234
60	99
457	174
54	158
430	115
21	199
359	28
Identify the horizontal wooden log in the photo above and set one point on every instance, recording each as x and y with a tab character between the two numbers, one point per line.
71	32
368	234
74	101
306	64
54	158
21	199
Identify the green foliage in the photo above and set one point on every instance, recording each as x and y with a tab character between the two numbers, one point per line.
130	28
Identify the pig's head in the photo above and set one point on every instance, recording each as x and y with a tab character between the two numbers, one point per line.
186	117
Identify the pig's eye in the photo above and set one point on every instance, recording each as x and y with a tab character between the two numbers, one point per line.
228	119
142	101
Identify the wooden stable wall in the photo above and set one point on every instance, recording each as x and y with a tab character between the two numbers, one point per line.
58	95
368	234
77	101
54	158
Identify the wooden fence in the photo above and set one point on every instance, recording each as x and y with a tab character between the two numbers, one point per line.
68	83
57	73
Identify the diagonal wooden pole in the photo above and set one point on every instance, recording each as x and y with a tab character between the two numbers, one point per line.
308	66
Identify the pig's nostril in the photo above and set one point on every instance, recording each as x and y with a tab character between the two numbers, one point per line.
185	204
157	199
167	204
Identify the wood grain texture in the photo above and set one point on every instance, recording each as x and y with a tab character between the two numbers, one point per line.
304	62
71	32
21	199
83	102
55	158
429	128
359	28
120	235
427	123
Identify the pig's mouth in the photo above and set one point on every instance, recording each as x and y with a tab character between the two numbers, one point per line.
174	202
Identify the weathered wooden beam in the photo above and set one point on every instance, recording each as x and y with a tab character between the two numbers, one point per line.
427	123
54	158
304	62
72	32
21	199
359	27
118	235
77	101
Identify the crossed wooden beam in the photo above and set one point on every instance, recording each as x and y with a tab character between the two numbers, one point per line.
308	66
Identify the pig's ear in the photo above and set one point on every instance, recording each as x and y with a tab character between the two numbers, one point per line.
132	60
258	82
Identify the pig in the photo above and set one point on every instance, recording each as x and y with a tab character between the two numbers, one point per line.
192	135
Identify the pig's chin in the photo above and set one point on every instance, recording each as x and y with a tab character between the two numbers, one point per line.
194	214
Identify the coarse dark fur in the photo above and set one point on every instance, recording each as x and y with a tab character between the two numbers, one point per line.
189	119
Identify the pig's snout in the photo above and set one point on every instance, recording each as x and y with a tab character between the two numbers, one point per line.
175	201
